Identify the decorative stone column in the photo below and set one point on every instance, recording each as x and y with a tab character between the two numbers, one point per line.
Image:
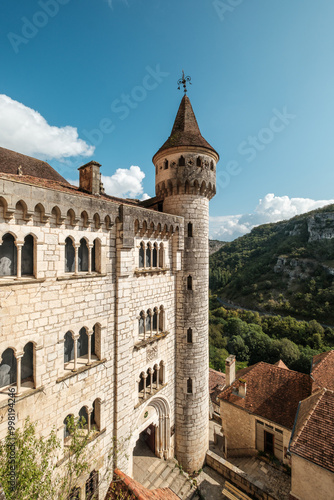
75	338
18	357
19	245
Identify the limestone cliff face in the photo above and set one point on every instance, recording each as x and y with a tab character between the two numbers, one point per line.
321	226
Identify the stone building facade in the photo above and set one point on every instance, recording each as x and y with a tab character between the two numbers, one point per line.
104	302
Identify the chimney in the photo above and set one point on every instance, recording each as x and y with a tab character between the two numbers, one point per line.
90	177
242	388
230	370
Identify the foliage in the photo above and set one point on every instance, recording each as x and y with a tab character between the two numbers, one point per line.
253	338
37	476
245	270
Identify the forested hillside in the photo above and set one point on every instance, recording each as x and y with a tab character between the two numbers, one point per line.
284	268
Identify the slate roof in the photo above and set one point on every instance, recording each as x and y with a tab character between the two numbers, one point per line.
272	392
313	436
185	130
134	490
323	369
10	161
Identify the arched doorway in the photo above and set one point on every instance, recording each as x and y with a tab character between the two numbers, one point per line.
153	428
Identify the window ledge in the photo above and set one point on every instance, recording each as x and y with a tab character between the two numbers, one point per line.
23	395
81	276
20	281
149	396
94	436
151	270
80	370
150	340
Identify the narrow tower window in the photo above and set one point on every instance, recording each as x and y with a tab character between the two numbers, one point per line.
182	162
166	164
190	230
189	283
211	165
189	386
189	336
199	161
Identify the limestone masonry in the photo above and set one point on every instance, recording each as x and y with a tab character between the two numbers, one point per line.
104	302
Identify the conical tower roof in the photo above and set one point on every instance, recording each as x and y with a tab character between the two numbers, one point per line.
185	130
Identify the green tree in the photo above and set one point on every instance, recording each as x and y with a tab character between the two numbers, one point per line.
36	475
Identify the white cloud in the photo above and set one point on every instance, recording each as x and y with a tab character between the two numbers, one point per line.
124	183
269	209
25	130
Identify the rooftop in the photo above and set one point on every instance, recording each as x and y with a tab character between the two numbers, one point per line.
323	369
135	490
313	436
185	130
272	392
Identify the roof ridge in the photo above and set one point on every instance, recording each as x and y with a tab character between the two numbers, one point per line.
326	354
320	395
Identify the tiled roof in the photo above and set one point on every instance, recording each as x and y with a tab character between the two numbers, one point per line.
10	161
323	369
134	490
313	437
216	384
272	392
185	130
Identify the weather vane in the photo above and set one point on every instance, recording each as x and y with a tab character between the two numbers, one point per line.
183	81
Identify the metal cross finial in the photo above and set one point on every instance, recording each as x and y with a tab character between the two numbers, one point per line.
183	81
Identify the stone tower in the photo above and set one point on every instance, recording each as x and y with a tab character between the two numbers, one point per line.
185	182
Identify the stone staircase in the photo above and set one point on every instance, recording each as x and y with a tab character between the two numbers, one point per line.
168	475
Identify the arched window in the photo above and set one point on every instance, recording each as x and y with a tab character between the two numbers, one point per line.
189	283
67	425
155	255
96	256
155	319
141	255
142	322
8	256
161	319
190	230
161	256
92	485
27	363
8	368
68	347
148	321
27	265
95	416
148	255
182	162
189	386
189	336
82	347
83	418
83	256
141	383
166	164
199	161
69	256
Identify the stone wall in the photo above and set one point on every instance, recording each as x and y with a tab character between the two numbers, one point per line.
309	481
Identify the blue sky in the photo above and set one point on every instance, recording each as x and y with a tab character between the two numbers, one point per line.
93	79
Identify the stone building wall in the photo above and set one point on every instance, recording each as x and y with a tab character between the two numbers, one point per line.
42	308
309	481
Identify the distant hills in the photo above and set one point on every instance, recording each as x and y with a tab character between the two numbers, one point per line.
285	268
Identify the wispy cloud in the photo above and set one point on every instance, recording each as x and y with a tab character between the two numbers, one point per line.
269	209
25	130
